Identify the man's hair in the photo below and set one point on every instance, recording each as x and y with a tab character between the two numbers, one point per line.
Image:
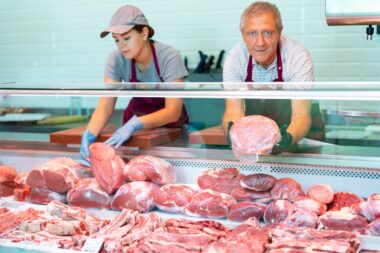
258	8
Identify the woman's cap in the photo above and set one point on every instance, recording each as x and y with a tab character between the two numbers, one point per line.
124	19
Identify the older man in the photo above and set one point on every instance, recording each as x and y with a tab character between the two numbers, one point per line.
267	56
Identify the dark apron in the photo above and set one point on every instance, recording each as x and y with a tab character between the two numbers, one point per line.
280	110
141	106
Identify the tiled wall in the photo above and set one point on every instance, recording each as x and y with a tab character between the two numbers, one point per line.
58	41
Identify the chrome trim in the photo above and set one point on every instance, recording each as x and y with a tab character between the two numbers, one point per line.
350	20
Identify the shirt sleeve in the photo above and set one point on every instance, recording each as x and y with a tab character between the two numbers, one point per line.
112	67
303	70
233	70
173	67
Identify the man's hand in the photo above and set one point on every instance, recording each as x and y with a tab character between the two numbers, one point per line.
87	139
125	132
286	141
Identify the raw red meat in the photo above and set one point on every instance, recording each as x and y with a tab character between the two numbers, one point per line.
88	194
209	203
369	209
21	177
321	192
7	189
44	196
254	134
58	175
373	228
344	219
302	218
288	189
136	195
259	182
278	211
21	192
244	194
173	198
150	168
344	199
107	167
305	203
220	180
246	209
7	173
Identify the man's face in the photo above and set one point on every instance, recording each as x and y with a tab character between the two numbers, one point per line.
261	38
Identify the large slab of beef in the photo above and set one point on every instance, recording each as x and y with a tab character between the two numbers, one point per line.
7	184
306	203
173	198
370	208
44	196
344	199
373	228
107	167
254	134
150	168
258	182
88	194
243	210
344	219
58	175
209	203
245	194
302	218
321	192
288	189
278	211
137	195
220	180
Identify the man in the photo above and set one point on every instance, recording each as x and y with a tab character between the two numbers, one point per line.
267	56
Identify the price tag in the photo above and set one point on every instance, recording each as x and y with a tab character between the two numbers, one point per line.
92	245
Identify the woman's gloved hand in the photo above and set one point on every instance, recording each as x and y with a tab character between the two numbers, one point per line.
286	141
87	139
125	132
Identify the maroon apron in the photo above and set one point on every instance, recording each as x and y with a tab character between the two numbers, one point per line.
280	110
141	106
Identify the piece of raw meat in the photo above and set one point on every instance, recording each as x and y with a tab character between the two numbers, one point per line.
344	199
88	194
302	218
45	196
306	203
21	192
259	182
254	134
278	211
220	180
58	175
107	167
369	209
209	203
344	219
243	210
136	195
7	173
288	189
244	194
373	228
173	198
322	193
150	168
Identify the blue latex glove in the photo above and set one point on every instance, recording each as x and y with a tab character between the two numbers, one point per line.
87	139
286	141
125	132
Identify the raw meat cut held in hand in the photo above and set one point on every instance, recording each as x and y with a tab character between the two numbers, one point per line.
321	192
287	188
258	182
173	198
209	203
88	194
254	134
278	211
136	195
150	168
246	209
107	167
220	180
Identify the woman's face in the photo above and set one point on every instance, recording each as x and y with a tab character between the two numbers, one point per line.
130	44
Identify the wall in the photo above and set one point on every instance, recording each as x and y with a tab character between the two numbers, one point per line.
55	41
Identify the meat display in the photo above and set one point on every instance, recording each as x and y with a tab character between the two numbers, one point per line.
259	182
288	189
209	203
88	194
173	198
150	168
246	209
322	193
136	195
254	134
220	180
107	167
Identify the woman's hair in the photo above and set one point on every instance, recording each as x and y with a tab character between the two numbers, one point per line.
139	28
258	8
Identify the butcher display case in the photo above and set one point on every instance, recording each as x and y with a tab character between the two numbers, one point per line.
41	122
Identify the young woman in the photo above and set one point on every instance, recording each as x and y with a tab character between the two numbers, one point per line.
138	59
